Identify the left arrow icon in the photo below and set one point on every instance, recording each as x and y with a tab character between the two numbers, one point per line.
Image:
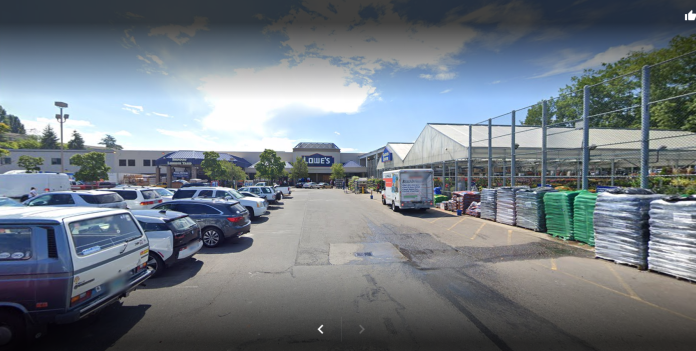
319	329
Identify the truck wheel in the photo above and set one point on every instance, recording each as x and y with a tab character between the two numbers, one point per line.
394	208
12	330
251	212
384	202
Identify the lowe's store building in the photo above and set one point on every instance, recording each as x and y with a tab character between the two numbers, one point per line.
185	164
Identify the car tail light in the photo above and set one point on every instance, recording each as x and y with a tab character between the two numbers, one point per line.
402	204
159	201
144	203
235	219
79	298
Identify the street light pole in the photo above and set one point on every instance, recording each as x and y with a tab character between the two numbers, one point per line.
61	119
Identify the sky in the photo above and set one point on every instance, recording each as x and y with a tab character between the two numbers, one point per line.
251	75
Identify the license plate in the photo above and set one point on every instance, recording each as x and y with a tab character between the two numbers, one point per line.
118	283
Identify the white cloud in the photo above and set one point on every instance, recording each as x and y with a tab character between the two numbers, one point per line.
348	149
445	91
439	76
367	45
495	82
181	34
337	133
132	108
123	133
143	59
162	114
570	61
200	140
155	58
314	86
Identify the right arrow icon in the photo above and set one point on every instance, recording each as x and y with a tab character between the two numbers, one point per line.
361	329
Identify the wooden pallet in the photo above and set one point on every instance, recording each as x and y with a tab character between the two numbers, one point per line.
677	277
633	265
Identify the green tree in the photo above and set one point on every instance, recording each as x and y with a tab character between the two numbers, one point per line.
213	167
49	139
110	142
4	128
29	142
612	100
270	165
31	164
337	171
92	166
76	143
234	173
12	121
300	169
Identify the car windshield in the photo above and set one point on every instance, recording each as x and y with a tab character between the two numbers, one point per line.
163	192
183	223
5	201
235	194
266	190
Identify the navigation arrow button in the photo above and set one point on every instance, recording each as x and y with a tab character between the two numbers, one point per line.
362	329
319	329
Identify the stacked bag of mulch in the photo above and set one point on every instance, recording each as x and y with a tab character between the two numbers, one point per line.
506	212
529	204
473	209
583	214
621	225
672	245
465	198
488	203
559	213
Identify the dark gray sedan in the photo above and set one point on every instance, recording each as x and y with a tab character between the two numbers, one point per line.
218	219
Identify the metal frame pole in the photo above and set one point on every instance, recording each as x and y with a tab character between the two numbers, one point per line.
512	151
62	164
490	153
469	162
645	127
544	117
456	174
585	136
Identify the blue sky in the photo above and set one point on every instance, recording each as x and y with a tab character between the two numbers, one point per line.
245	76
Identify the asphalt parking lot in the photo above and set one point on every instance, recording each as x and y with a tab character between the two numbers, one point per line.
377	280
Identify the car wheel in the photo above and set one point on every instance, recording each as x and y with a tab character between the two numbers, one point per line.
251	212
12	330
394	208
212	237
384	202
155	262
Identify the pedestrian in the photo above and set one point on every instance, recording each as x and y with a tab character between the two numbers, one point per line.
33	193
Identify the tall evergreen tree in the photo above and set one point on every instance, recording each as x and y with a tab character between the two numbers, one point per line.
110	142
76	143
12	121
49	139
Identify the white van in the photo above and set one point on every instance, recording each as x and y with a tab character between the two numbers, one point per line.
408	189
17	185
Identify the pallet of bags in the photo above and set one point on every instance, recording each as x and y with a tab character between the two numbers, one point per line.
529	204
583	215
473	209
465	198
506	212
672	245
621	225
559	213
488	204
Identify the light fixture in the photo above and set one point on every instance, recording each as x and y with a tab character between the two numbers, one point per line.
516	146
592	147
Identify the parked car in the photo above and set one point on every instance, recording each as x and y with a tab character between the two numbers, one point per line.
284	189
165	194
61	265
264	191
249	194
311	185
173	237
256	207
6	201
324	185
82	198
219	219
195	184
139	198
299	185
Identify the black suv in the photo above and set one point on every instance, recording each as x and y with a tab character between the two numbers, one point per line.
218	219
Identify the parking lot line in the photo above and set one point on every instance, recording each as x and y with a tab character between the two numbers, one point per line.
622	282
455	224
478	231
621	293
509	242
553	264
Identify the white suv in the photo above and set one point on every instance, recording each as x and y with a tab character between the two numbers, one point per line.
139	198
255	206
85	198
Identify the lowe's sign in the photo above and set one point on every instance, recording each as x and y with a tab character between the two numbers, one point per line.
386	155
317	160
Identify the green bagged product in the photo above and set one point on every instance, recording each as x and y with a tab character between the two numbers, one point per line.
441	198
559	213
583	217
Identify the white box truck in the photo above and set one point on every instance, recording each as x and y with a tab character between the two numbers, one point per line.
408	189
17	185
